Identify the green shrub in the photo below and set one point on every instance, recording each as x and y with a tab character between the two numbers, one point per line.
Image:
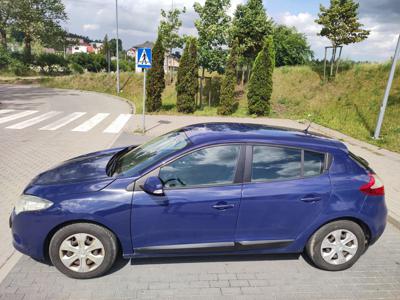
91	62
187	82
156	80
51	63
228	104
124	65
20	69
76	68
5	58
260	84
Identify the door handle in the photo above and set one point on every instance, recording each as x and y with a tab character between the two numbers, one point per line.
311	199
223	206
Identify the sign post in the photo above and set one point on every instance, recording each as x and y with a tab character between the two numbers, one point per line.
144	60
386	96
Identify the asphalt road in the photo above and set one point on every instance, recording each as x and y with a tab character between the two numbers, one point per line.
41	127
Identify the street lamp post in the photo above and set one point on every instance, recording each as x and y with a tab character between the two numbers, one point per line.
388	87
117	42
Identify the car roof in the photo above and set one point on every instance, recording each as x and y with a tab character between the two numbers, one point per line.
206	133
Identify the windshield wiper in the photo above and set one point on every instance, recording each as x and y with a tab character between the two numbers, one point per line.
113	162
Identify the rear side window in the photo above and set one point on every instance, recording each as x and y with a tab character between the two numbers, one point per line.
273	163
313	163
278	163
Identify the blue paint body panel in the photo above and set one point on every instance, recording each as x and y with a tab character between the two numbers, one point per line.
82	191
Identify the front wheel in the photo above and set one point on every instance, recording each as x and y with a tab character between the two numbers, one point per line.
336	246
83	250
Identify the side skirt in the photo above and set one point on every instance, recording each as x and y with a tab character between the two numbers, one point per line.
214	247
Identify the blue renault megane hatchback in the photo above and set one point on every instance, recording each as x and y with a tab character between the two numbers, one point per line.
206	189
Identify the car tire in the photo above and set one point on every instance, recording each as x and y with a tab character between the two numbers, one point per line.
83	250
336	246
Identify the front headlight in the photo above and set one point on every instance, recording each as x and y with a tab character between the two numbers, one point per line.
31	203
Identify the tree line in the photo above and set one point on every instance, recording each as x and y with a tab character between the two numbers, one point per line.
250	44
226	45
243	48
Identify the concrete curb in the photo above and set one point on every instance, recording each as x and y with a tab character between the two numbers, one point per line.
132	105
393	221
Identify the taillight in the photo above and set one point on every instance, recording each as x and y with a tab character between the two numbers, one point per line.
374	187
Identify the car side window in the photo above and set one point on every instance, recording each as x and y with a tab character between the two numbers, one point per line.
313	163
208	166
275	163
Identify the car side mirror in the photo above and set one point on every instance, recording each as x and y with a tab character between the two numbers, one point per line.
154	186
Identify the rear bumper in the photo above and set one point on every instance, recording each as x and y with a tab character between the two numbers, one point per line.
374	212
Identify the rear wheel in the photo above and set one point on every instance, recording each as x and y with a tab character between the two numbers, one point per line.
336	246
83	250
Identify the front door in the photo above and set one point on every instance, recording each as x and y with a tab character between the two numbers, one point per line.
199	208
284	194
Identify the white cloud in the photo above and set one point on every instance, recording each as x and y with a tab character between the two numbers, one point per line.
138	22
90	27
379	46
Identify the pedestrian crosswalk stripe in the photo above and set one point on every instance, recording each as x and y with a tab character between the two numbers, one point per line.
17	116
35	120
63	121
92	122
4	111
113	126
118	124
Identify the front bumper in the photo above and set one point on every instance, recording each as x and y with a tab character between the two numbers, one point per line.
28	234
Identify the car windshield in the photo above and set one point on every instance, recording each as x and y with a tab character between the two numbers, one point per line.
140	158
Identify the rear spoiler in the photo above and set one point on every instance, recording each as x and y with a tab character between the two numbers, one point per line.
361	162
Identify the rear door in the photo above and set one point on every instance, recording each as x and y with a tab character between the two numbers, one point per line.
283	194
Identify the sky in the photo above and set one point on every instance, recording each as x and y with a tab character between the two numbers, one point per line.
139	19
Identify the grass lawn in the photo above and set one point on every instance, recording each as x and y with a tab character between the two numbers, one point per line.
350	104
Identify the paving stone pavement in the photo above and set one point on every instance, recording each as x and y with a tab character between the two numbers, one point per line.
375	276
25	153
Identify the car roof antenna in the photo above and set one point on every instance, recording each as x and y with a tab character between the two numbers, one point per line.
309	124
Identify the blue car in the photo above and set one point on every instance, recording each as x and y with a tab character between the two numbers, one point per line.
206	189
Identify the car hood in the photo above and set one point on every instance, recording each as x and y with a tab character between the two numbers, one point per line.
82	174
82	168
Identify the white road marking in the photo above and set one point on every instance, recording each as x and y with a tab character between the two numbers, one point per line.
34	120
17	116
92	122
118	123
63	121
4	111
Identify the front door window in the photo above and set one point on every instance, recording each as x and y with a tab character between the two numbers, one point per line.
205	167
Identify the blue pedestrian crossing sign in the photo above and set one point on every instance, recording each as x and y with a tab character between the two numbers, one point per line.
144	58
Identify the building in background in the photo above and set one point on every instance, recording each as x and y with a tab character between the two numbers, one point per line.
81	46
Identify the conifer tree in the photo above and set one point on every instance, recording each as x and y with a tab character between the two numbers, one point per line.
228	103
260	85
156	81
187	83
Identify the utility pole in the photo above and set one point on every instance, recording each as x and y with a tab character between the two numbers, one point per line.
116	14
388	87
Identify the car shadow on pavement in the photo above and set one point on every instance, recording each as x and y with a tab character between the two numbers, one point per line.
119	264
214	258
